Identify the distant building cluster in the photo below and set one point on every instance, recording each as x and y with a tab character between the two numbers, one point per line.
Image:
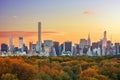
54	48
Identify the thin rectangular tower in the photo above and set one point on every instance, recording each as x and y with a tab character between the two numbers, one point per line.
39	36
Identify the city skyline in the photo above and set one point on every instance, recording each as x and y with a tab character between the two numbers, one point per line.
34	39
59	18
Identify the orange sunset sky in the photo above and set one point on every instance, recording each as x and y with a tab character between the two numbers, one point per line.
61	20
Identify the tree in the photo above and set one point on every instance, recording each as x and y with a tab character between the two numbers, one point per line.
9	76
91	74
18	67
110	68
72	75
63	76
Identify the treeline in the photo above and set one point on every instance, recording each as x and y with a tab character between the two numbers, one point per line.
60	68
79	68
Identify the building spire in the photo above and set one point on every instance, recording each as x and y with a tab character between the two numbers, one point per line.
105	39
89	40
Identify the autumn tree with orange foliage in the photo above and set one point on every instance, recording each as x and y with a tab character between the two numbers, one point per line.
91	74
16	66
60	68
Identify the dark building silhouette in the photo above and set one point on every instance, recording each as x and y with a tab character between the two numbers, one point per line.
94	45
4	47
85	50
76	49
25	48
15	49
100	46
108	48
67	46
117	45
61	49
33	48
30	46
56	46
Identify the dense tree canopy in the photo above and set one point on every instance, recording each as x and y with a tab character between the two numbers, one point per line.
60	68
16	69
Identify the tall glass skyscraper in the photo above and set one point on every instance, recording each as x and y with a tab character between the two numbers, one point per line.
39	37
104	44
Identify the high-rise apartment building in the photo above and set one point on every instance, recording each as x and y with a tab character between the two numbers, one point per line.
39	37
67	46
21	42
104	44
11	47
83	43
89	40
48	44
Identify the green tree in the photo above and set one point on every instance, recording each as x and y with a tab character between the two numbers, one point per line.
63	76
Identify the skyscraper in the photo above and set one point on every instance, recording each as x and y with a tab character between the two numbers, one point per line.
104	44
76	49
39	37
67	46
11	41
83	43
4	47
11	44
30	46
48	44
104	40
56	46
89	40
21	42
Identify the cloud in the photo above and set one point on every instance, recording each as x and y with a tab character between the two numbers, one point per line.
87	12
50	32
15	17
7	34
53	33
